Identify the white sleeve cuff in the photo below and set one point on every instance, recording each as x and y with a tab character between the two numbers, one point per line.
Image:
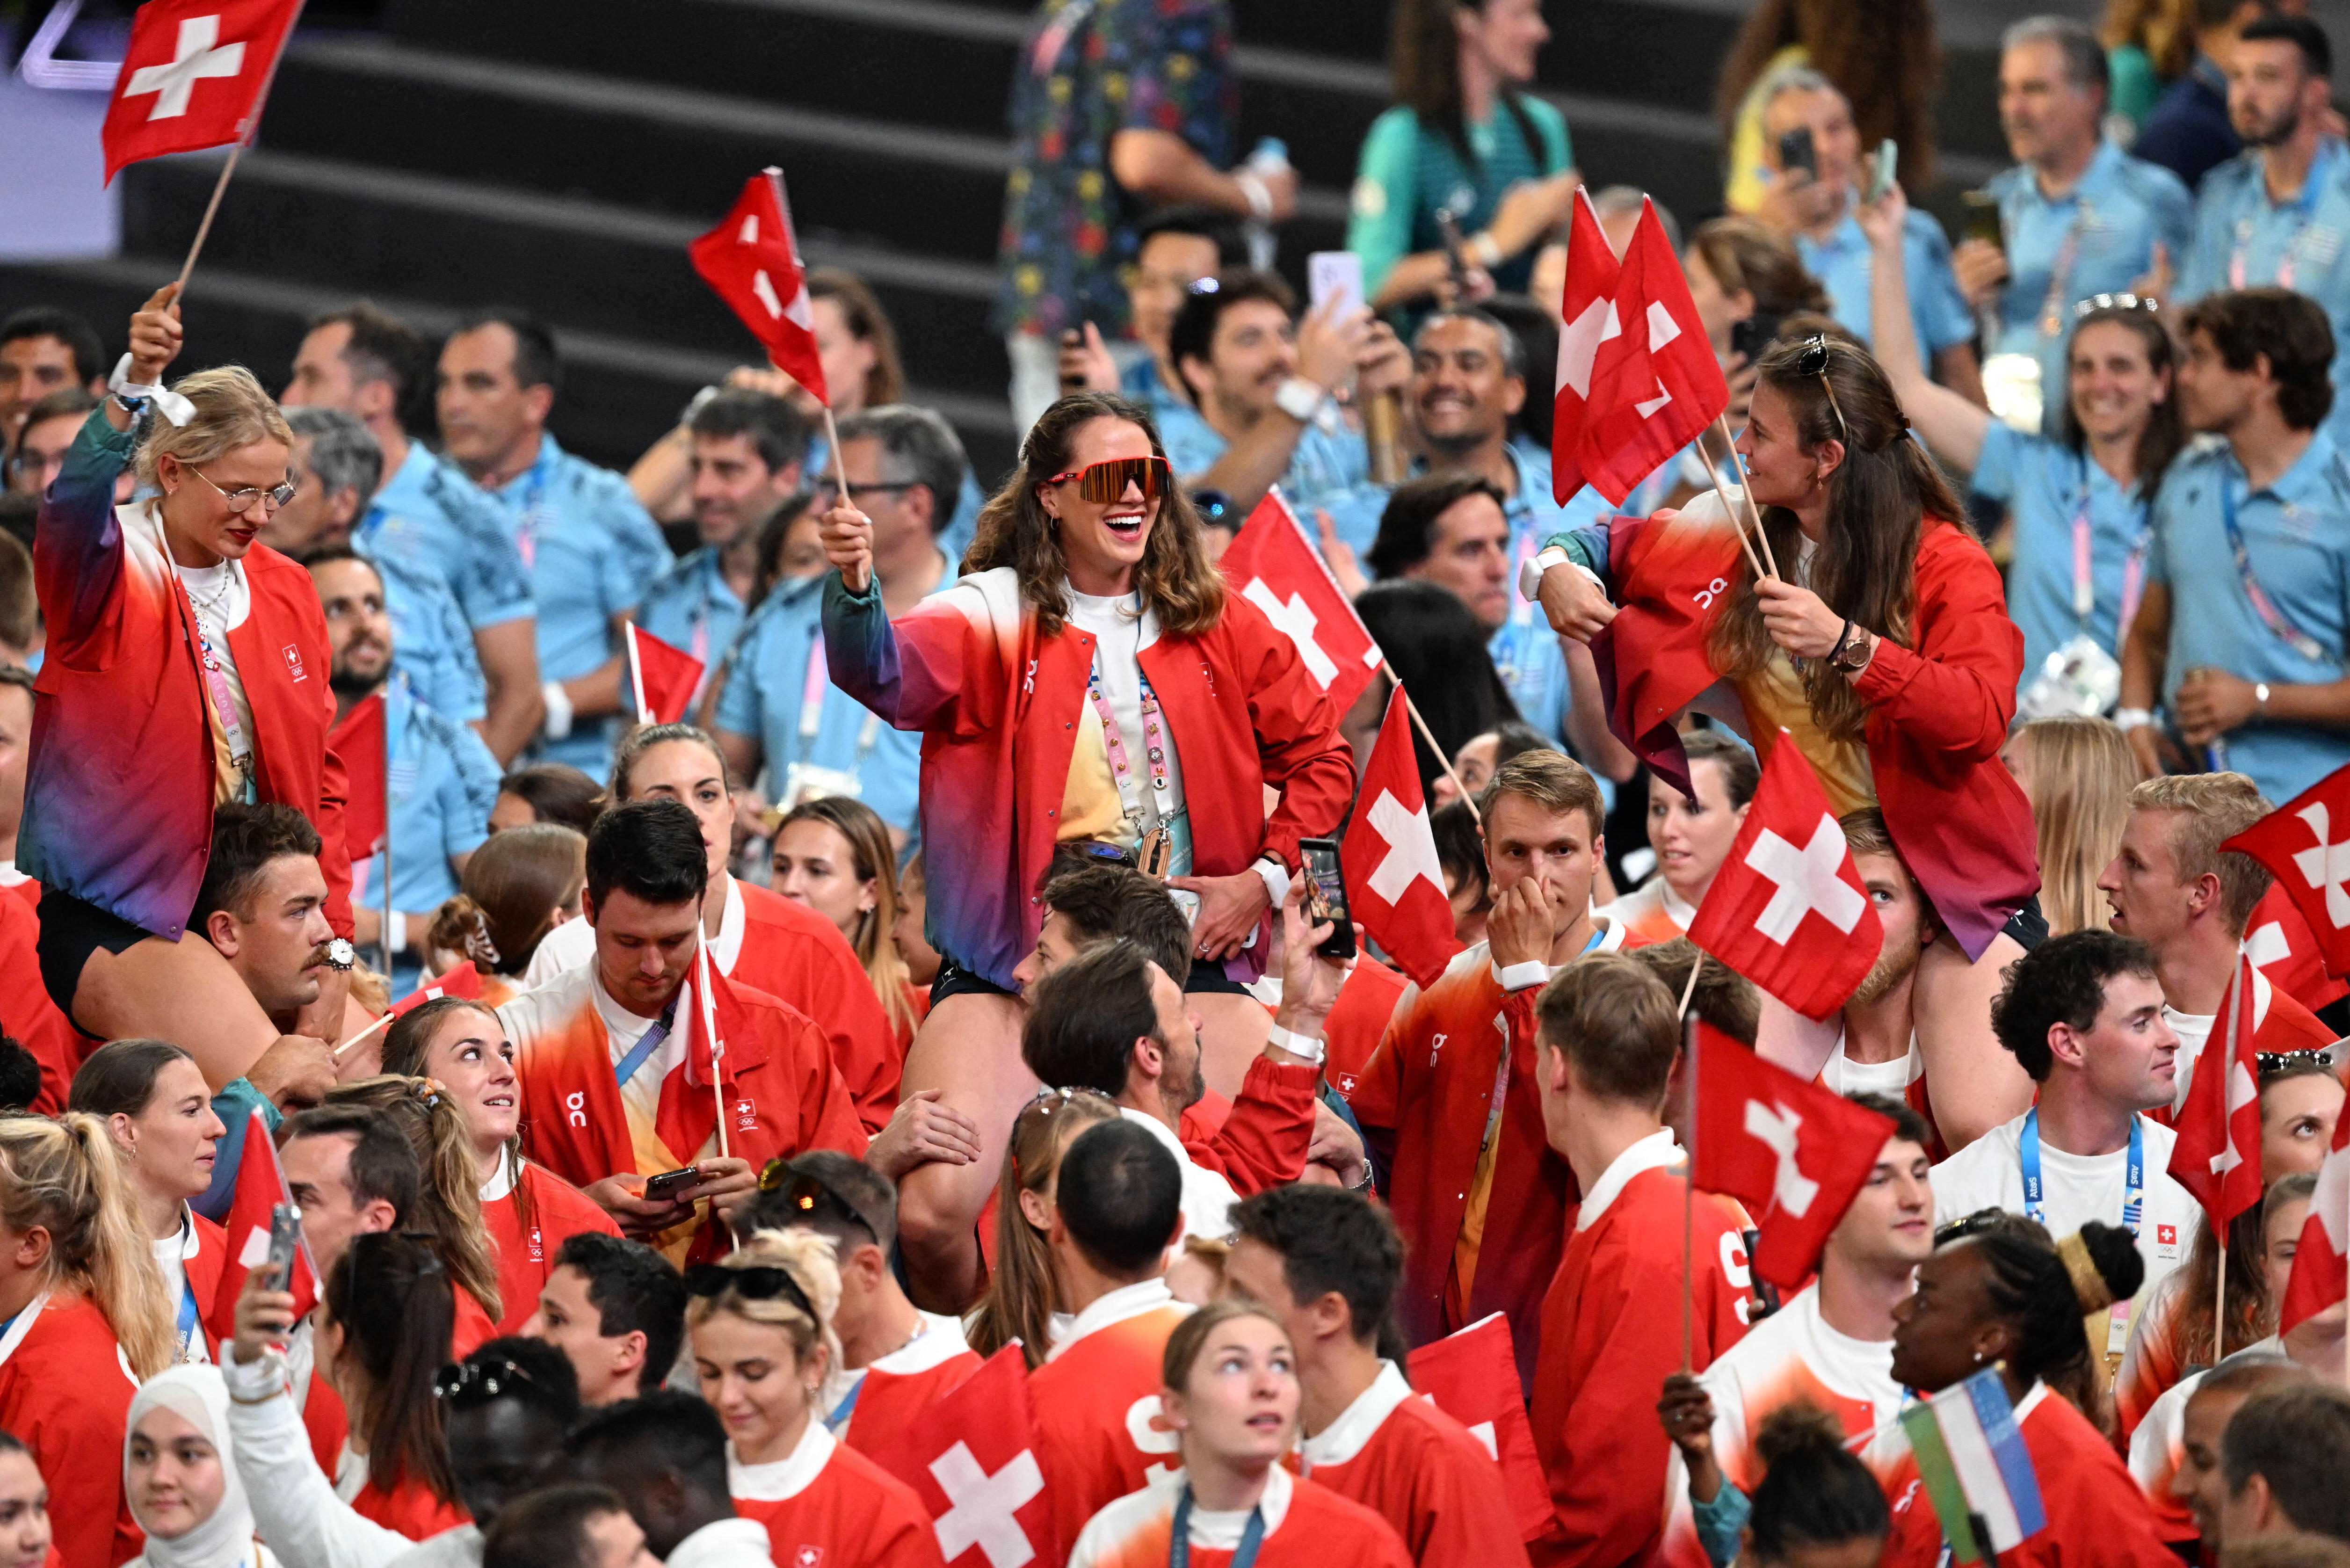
1530	573
1276	879
1304	1046
558	711
1523	976
250	1382
170	404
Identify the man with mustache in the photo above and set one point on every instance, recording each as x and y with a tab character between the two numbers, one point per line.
441	781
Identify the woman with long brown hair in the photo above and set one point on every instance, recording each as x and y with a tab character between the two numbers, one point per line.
519	887
83	1305
833	854
1881	646
1021	1300
1090	677
447	1214
1883	55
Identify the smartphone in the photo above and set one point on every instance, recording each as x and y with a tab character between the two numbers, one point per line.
1071	341
1449	226
1753	335
1335	274
1982	219
1796	151
285	1241
1325	896
1880	179
670	1186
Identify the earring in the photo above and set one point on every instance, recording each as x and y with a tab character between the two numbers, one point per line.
1979	1356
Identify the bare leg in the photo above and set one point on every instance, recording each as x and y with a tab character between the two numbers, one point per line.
1232	1033
1974	1082
968	1048
183	991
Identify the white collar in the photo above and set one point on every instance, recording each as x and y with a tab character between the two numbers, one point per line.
502	1184
626	1028
1654	1152
1221	1531
1116	1306
722	1541
1162	1131
787	1476
185	1245
10	876
940	1342
1343	1439
1681	914
732	920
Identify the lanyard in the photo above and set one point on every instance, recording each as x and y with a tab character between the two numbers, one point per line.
530	492
2300	641
1179	1544
649	1041
187	1318
1154	732
2035	1207
811	700
2060	277
240	750
2085	593
2304	207
841	1412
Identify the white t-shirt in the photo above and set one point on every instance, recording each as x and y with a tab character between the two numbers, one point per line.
1119	638
1844	1076
2193	1030
1989	1174
172	1255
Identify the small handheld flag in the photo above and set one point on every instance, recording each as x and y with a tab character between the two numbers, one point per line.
1975	1467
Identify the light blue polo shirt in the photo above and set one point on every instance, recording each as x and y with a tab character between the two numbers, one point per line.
431	643
962	528
1328	462
2096	238
2240	235
592	549
1844	263
2045	485
441	783
690	606
777	665
2296	533
429	515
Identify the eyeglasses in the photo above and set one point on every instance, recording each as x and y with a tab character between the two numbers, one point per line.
2267	1062
760	1283
1813	359
2097	302
472	1382
1107	482
276	496
802	1192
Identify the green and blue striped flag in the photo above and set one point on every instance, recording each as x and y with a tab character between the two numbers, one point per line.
1975	1467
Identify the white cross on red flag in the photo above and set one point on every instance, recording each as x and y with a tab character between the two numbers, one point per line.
2282	946
195	76
971	1459
260	1187
2296	842
1793	1153
1586	321
1472	1377
1787	908
1394	880
1276	567
753	260
2218	1155
1655	383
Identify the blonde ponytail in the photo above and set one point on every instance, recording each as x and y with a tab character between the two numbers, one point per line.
449	1204
65	1176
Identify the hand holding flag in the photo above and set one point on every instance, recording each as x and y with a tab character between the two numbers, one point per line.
1393	875
260	1188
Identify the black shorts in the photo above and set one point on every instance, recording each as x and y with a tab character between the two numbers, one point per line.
954	980
72	929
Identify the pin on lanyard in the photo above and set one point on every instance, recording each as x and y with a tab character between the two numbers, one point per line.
2084	592
1154	739
2300	641
240	751
2035	1204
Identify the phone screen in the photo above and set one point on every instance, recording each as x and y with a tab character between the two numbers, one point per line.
1982	219
1325	896
1795	152
1335	274
1889	164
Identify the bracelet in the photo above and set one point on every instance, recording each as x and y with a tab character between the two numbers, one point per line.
2128	719
2260	698
1260	200
1842	637
1313	1050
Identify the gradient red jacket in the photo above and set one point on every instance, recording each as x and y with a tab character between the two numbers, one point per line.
119	785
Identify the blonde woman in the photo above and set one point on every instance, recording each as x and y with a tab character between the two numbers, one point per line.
761	1326
835	856
83	1305
186	668
447	1215
2078	774
1021	1301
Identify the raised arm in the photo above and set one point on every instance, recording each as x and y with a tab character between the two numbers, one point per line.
1953	427
937	666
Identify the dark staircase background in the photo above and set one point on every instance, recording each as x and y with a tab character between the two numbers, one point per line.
558	154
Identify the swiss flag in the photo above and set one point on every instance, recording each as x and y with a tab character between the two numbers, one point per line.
1672	573
357	739
2321	1269
2279	1025
1787	909
464	980
1656	383
195	76
2218	1155
1393	877
1796	1154
260	1186
1276	567
1586	321
972	1460
753	260
664	678
2296	842
1472	1377
2284	949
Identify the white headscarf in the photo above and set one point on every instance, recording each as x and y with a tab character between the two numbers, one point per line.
197	1395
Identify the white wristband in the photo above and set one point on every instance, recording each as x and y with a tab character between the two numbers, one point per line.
170	404
1523	976
395	933
558	711
1260	200
1276	879
1304	1046
2128	719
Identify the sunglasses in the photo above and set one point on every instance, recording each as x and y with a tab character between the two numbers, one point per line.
2097	302
1981	1222
276	496
472	1382
1813	359
760	1283
1107	482
801	1193
2278	1060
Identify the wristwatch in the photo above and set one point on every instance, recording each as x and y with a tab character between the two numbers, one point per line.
1300	399
1852	649
340	954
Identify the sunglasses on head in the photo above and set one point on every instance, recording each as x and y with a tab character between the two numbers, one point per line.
1813	359
2097	302
760	1283
1107	482
2278	1060
801	1193
472	1382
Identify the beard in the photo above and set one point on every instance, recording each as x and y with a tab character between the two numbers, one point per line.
2269	132
1893	966
345	681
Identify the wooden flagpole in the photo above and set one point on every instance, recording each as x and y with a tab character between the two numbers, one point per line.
717	1048
363	1033
1426	734
840	474
1688	1171
2224	1065
220	188
1745	494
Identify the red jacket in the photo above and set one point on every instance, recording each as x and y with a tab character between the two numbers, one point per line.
119	785
998	704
